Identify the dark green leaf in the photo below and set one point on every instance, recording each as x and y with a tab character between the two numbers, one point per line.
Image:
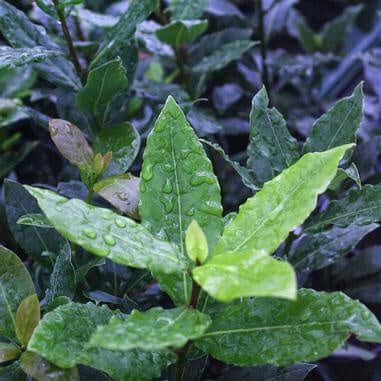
107	234
27	318
343	174
271	331
8	352
12	372
339	125
187	9
272	148
15	285
10	160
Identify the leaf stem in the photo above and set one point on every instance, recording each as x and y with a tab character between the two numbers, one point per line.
69	41
90	195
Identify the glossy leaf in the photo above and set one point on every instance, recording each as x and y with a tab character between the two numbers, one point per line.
339	125
35	219
233	275
359	207
8	352
146	35
154	329
123	141
270	331
196	243
282	205
42	370
103	83
11	58
181	32
223	56
107	234
122	192
187	9
33	240
27	318
319	250
272	148
15	285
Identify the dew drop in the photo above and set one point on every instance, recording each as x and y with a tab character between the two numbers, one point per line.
59	209
167	188
167	203
184	153
168	168
142	187
90	233
120	223
109	240
107	216
190	212
211	207
202	177
147	172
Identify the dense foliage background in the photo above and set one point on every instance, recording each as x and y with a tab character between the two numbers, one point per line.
312	54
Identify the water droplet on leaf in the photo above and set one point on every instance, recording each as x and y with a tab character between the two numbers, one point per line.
109	240
120	223
167	188
90	233
147	172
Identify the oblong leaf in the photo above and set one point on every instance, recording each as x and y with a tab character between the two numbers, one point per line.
27	318
282	205
107	234
271	331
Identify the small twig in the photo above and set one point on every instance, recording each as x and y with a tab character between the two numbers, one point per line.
78	28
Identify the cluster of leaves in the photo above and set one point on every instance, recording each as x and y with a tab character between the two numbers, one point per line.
133	269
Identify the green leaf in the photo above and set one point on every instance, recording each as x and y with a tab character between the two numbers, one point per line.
122	192
123	141
22	33
11	58
265	220
11	159
27	318
33	240
181	32
359	207
42	370
233	275
272	148
319	250
96	19
310	41
187	9
146	35
107	234
196	243
12	372
177	186
15	285
339	125
223	56
63	278
152	330
343	174
103	83
8	352
62	335
35	219
270	331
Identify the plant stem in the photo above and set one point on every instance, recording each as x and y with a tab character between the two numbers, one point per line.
69	41
261	24
90	194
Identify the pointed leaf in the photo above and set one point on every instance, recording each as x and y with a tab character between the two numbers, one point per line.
8	352
107	234
152	330
283	204
319	250
359	207
196	243
343	174
229	276
103	83
271	331
181	32
27	318
272	148
339	125
15	285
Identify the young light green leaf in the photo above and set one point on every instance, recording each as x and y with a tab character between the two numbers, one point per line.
154	329
42	370
15	285
181	32
319	250
271	148
8	352
12	58
282	205
107	234
123	141
223	56
196	243
35	219
233	275
102	84
27	317
359	207
187	9
62	335
271	331
122	192
339	125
